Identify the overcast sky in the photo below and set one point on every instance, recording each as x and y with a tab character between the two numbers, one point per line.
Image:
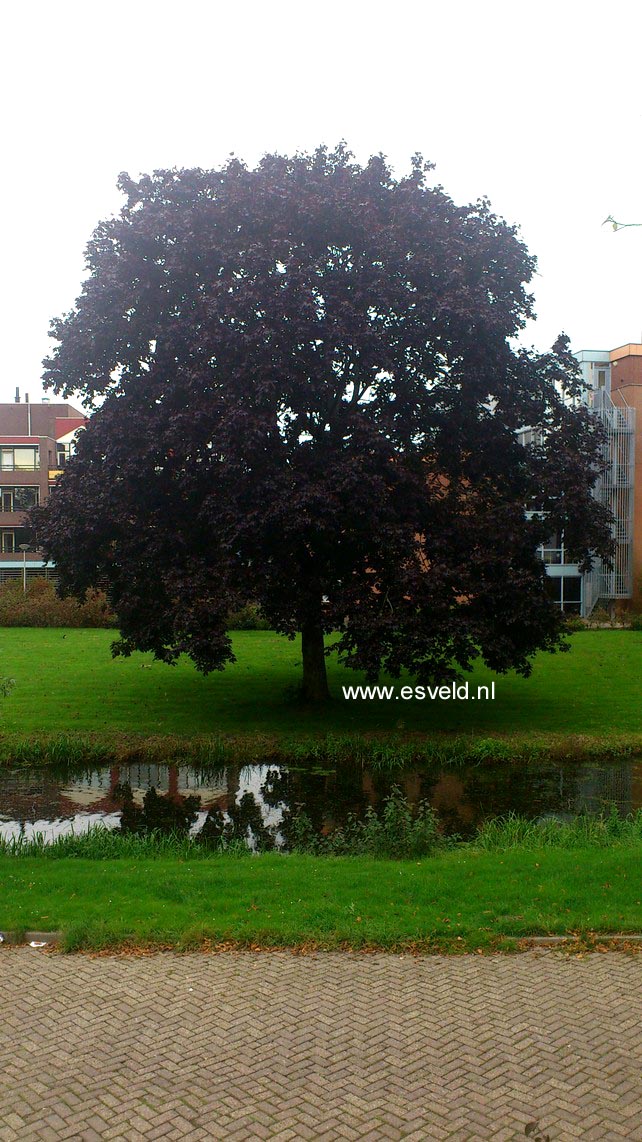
539	107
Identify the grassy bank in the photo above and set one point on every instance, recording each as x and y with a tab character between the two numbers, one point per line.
68	684
69	753
458	900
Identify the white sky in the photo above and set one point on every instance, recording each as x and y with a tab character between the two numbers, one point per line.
537	106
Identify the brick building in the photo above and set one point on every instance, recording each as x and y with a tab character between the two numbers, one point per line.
626	393
614	391
35	442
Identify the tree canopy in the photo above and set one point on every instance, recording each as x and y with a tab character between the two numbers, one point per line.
307	394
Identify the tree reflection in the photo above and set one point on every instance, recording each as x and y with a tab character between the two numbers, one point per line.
244	824
160	812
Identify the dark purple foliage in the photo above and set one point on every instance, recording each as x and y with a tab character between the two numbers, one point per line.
311	401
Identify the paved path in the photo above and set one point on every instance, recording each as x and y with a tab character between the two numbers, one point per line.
244	1046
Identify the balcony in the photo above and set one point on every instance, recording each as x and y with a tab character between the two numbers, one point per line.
551	555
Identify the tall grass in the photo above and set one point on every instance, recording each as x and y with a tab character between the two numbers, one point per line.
101	843
387	756
207	755
336	750
79	753
586	831
64	751
396	832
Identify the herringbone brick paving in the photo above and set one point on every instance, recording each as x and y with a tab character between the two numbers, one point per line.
328	1046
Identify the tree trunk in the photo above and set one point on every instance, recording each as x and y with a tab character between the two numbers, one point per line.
315	679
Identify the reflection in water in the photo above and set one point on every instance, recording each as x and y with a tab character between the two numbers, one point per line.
244	822
258	804
159	813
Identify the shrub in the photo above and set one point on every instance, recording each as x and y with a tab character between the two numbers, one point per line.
573	623
40	606
248	617
6	685
394	833
600	617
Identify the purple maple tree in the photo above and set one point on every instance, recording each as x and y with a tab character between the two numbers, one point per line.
306	395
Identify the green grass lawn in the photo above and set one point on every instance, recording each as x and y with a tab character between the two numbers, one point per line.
458	900
67	682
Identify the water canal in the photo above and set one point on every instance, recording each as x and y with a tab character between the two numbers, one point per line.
37	802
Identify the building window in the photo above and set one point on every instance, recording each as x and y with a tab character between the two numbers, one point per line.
19	499
64	452
553	550
20	459
531	437
566	592
7	542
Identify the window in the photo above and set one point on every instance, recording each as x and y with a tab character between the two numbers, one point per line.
20	458
25	498
553	550
19	499
531	437
7	542
566	592
64	452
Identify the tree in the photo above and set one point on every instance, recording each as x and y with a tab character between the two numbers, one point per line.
306	395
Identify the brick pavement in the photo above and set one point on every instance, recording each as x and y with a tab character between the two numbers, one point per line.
328	1046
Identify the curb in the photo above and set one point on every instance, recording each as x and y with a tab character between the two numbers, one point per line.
593	937
35	939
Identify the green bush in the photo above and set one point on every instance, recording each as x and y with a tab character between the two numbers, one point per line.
600	617
6	685
40	606
248	617
395	833
573	623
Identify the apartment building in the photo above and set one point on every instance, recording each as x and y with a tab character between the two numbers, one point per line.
35	443
614	393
